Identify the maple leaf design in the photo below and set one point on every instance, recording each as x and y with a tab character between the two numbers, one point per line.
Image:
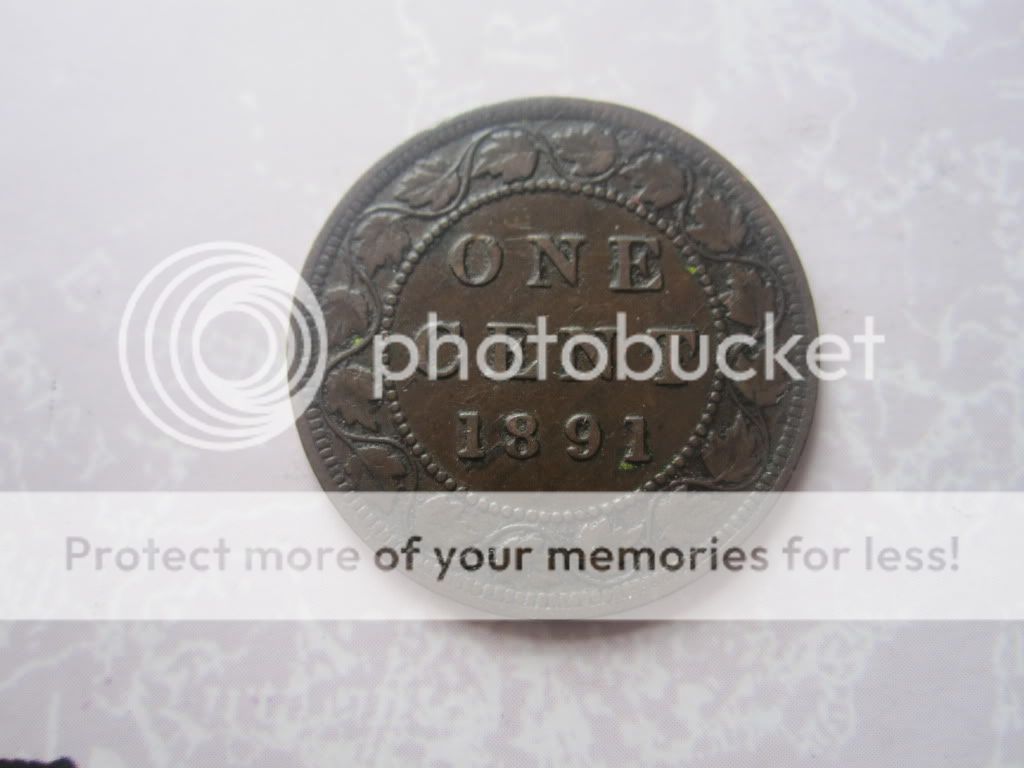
731	455
631	143
585	149
376	461
341	272
509	154
429	183
346	313
656	180
379	240
759	389
748	298
716	224
349	395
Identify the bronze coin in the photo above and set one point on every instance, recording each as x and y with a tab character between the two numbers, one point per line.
583	214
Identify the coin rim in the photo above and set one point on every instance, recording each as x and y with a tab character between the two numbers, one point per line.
325	250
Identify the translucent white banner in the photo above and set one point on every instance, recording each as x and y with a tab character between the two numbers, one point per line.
873	556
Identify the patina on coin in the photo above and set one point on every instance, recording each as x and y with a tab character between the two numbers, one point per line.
574	212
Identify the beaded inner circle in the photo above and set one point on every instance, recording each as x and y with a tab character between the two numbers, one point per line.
412	258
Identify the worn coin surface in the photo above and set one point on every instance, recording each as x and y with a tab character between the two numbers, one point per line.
575	220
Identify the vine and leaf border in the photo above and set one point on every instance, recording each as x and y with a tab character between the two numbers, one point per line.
694	203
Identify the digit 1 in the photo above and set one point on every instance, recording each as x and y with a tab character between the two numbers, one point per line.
636	445
470	435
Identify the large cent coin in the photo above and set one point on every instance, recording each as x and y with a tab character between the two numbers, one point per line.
581	216
571	211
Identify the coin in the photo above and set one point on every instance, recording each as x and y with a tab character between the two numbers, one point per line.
573	212
588	224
